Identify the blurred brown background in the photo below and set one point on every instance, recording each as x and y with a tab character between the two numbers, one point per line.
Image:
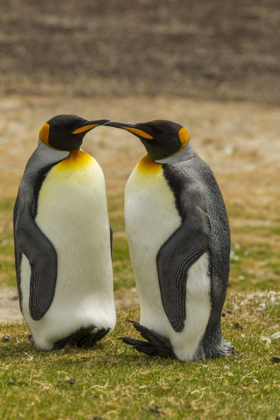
212	66
207	49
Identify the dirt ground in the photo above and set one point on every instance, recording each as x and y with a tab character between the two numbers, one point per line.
240	141
217	50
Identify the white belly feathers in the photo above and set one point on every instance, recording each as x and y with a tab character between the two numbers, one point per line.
151	218
72	213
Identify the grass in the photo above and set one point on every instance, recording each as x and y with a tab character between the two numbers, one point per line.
7	266
254	260
115	382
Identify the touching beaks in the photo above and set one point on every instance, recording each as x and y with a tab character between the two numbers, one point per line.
119	124
89	125
132	128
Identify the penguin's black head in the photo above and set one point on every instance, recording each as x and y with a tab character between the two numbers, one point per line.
66	132
161	138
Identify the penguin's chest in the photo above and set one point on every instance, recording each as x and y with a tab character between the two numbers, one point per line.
151	218
72	213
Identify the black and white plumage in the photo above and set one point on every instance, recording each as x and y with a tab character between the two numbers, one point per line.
179	242
62	240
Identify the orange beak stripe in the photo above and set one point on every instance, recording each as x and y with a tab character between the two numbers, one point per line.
138	132
85	128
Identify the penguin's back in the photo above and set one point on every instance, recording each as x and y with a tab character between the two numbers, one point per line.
184	179
72	214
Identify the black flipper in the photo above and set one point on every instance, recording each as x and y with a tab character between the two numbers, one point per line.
42	259
29	239
156	345
176	257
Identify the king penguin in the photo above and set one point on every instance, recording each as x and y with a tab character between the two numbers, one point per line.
63	240
179	241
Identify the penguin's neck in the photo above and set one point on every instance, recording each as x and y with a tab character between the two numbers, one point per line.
148	166
185	154
77	159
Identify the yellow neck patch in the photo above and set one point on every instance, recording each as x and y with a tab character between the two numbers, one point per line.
148	166
44	134
76	160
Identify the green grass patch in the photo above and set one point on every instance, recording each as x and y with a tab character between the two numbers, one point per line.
7	204
254	264
7	266
115	382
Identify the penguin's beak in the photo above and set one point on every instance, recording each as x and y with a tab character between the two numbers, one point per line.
132	128
89	125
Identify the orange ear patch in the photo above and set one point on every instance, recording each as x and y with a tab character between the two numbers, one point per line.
85	128
44	134
140	133
184	137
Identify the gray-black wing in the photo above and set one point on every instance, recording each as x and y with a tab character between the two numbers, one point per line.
188	243
29	239
176	257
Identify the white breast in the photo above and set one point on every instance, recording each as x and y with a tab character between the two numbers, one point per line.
151	218
72	213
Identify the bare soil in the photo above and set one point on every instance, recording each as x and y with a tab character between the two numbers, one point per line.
223	50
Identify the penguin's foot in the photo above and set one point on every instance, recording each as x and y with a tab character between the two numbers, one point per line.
224	349
89	339
156	345
227	349
84	337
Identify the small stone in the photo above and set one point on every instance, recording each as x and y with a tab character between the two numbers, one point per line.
223	314
238	326
6	338
275	336
276	359
266	340
12	380
71	381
